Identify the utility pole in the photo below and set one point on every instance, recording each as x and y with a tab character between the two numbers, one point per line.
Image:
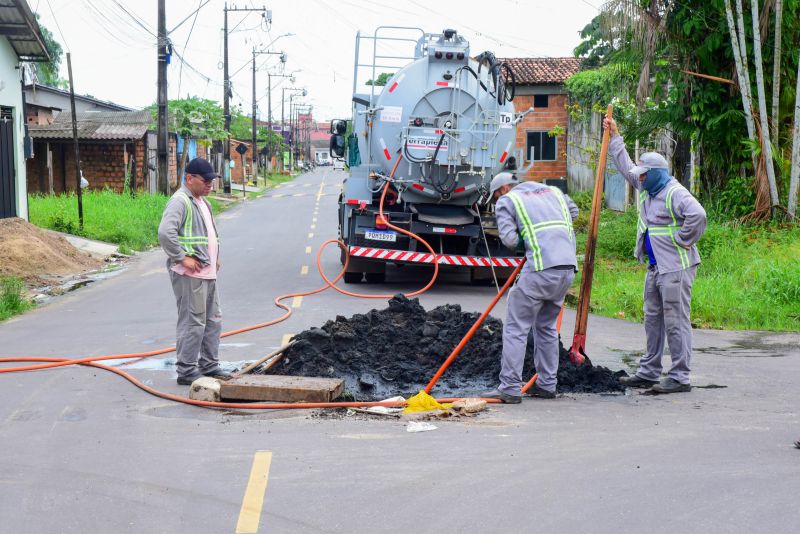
75	141
162	129
283	100
269	108
226	112
283	60
226	87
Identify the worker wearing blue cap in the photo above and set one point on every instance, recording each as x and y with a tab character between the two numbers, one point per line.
671	222
188	235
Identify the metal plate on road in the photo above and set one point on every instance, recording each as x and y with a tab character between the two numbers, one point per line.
378	235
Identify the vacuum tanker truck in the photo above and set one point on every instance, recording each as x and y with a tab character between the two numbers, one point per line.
438	131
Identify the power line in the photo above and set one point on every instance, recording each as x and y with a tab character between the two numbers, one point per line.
180	72
139	22
58	25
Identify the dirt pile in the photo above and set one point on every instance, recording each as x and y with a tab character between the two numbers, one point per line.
30	253
398	349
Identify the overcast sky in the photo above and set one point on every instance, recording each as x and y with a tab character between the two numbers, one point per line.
114	56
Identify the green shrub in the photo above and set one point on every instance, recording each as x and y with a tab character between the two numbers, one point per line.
12	301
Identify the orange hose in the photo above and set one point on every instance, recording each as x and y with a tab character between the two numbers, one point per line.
232	405
90	361
474	328
530	383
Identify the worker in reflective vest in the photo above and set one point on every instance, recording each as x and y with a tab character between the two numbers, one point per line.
671	222
540	217
188	235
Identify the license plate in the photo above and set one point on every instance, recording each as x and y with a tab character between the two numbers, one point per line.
378	235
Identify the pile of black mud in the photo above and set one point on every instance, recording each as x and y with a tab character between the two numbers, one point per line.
395	351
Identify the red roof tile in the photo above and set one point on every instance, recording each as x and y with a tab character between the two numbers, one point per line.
543	70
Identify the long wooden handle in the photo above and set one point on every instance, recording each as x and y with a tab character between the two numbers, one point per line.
591	240
262	360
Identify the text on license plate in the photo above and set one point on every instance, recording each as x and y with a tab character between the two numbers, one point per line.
377	235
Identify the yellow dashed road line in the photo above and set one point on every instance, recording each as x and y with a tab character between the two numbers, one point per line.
308	250
304	270
250	513
297	302
286	339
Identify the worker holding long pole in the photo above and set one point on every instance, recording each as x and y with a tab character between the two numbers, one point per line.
540	217
671	222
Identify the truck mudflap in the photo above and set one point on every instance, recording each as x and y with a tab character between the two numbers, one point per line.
426	257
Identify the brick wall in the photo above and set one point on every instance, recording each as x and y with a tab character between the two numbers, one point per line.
543	119
236	172
102	164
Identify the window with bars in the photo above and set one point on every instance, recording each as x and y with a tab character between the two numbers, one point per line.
543	146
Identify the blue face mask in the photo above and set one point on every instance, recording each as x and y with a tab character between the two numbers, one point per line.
655	181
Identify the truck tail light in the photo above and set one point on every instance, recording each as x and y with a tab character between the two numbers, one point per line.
380	222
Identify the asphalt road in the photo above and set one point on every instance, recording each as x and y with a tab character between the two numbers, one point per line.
84	451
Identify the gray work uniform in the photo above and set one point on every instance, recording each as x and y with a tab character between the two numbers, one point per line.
182	233
542	216
674	221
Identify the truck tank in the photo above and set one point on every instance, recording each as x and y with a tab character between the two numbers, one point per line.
448	118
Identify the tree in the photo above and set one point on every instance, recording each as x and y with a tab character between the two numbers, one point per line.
47	73
692	110
795	173
383	79
194	117
762	105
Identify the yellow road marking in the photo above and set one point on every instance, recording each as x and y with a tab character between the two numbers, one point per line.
321	185
308	250
304	270
314	219
297	302
278	196
313	226
250	513
286	339
310	235
299	195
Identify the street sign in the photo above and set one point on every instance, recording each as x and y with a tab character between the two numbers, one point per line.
241	149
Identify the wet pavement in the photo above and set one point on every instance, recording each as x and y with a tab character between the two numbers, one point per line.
85	451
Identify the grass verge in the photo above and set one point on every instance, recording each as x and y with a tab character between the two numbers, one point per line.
131	223
12	300
748	279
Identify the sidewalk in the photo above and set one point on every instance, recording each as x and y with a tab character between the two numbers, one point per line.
98	249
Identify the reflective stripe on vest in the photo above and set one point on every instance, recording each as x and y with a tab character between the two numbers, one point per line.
669	230
188	239
529	230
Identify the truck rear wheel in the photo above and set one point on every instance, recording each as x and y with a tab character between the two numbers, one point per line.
375	278
353	278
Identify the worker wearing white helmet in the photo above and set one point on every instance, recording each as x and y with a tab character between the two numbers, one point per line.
671	222
540	217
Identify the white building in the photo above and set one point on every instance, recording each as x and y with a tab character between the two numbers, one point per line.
20	41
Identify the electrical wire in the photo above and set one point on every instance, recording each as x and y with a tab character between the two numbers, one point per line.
180	71
50	6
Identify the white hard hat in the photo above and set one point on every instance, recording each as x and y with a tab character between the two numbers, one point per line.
501	179
647	161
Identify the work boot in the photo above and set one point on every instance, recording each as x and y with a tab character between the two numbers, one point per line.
536	391
218	372
670	385
505	397
188	379
637	381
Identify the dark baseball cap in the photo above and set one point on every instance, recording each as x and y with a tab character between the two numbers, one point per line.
201	167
